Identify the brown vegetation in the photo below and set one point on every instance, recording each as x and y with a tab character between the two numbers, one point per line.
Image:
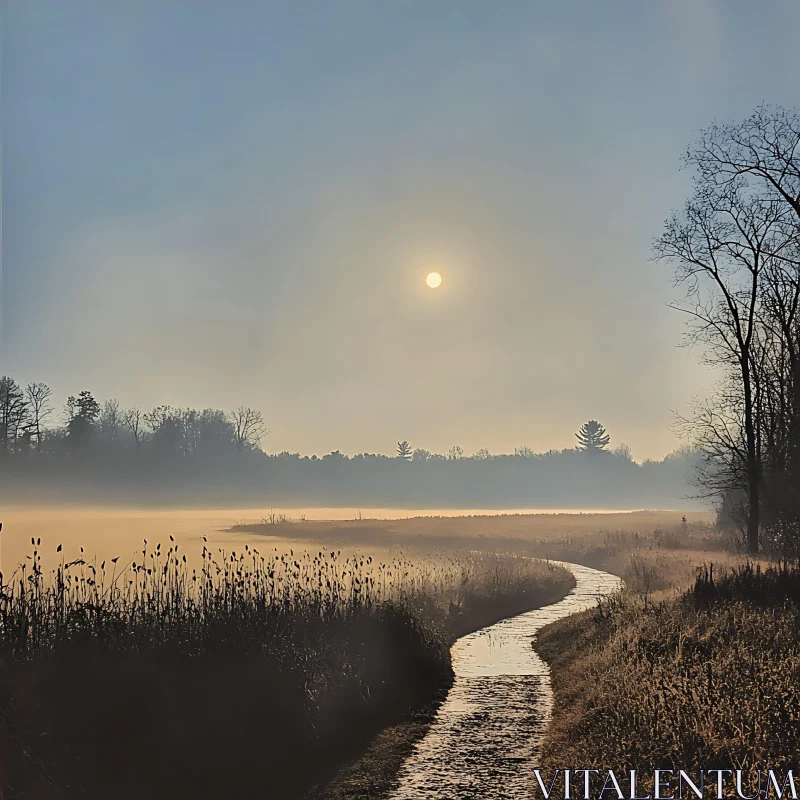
708	678
165	681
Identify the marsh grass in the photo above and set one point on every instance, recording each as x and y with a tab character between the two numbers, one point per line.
252	671
656	553
708	678
772	586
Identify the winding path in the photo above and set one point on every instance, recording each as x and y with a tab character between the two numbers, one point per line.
485	736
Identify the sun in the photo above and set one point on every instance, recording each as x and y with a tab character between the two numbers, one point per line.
434	280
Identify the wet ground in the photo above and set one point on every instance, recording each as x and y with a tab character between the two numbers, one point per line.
484	740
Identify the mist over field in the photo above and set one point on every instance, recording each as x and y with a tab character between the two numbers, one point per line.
114	456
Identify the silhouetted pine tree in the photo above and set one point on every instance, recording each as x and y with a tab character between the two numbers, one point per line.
404	450
592	437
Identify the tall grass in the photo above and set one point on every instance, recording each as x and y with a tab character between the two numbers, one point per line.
251	670
773	586
707	679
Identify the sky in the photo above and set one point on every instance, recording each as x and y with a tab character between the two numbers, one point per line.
223	204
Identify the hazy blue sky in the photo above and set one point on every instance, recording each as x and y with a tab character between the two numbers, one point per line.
211	203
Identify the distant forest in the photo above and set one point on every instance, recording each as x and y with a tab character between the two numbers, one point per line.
103	453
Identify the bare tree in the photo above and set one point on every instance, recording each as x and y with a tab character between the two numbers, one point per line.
622	450
38	396
111	420
716	426
248	427
722	246
763	151
760	156
133	420
736	247
13	413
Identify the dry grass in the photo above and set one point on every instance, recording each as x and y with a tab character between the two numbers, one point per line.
537	529
163	680
705	679
654	551
335	647
108	533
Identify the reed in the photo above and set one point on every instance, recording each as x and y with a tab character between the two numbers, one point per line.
160	679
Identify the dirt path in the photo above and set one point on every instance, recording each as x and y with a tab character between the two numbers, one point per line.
484	739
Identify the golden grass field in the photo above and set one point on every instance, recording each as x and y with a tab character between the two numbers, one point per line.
288	652
109	533
607	698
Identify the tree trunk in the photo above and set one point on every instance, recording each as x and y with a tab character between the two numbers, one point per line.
753	466
753	517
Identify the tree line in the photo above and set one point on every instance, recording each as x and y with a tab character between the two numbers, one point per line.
27	416
566	478
102	452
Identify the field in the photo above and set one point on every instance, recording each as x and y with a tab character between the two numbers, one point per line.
289	658
118	533
349	619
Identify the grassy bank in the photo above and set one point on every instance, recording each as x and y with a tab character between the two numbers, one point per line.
252	672
706	678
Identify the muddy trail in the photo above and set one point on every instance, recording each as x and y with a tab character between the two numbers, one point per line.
484	739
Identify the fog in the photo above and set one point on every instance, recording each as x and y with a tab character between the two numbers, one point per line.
180	458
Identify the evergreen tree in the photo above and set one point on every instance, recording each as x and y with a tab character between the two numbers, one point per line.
82	413
592	437
404	450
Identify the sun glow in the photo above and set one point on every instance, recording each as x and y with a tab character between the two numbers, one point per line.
433	280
